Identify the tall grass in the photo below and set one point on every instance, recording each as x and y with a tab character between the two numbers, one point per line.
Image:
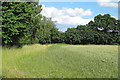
11	59
61	61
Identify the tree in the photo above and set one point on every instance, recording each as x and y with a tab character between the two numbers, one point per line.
46	30
15	19
18	19
22	24
72	36
86	34
36	23
103	30
105	22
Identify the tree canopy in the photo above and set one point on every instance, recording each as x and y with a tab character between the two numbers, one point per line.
23	24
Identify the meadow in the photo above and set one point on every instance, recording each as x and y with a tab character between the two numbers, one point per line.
60	61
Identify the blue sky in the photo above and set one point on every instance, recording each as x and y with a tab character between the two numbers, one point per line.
79	12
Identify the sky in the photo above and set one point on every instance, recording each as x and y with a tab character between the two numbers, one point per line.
71	14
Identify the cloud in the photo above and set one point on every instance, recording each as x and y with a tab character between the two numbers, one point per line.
108	3
67	15
114	17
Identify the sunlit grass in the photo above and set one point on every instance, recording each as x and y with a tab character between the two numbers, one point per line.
61	61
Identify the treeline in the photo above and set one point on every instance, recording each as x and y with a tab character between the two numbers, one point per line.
103	30
23	24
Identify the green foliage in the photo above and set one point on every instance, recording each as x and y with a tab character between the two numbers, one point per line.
16	18
23	24
72	36
43	33
103	30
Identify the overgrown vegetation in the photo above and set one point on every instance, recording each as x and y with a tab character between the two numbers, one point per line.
23	24
61	61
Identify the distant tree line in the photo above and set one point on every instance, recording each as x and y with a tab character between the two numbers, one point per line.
103	30
23	24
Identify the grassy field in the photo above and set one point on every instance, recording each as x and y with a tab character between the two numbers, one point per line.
61	61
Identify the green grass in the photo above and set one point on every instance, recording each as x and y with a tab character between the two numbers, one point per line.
61	61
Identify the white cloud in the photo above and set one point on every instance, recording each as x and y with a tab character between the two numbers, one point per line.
102	14
67	15
114	17
108	3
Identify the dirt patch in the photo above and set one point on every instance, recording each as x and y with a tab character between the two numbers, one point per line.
46	46
49	45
